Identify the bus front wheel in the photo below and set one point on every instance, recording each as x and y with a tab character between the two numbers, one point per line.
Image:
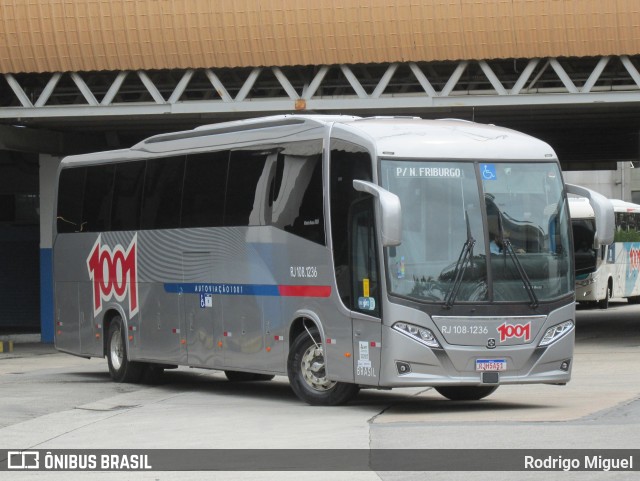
466	393
120	367
604	303
307	374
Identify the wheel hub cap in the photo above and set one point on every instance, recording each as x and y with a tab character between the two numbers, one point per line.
115	352
313	369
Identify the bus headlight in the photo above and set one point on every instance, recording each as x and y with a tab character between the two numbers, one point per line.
556	332
420	334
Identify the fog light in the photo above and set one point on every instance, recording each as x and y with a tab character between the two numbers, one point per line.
565	365
403	367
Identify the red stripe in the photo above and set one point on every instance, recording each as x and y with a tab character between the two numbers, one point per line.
305	291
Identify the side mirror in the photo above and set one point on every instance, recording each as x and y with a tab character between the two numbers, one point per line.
603	210
391	211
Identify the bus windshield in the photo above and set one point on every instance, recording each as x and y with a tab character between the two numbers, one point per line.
479	232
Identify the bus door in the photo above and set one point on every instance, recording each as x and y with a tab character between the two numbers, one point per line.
365	294
274	345
66	317
161	324
91	343
202	311
244	336
251	324
75	322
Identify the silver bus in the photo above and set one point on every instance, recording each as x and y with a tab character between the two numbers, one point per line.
342	252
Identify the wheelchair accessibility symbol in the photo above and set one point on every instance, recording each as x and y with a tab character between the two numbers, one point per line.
488	171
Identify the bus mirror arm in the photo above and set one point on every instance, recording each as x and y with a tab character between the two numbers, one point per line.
603	210
390	211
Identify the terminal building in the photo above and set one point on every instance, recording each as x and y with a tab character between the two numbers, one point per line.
88	75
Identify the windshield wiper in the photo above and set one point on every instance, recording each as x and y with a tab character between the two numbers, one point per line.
508	248
465	258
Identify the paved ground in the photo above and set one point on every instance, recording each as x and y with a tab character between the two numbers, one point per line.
50	400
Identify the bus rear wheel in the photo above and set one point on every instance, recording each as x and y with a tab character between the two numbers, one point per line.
307	373
121	368
466	393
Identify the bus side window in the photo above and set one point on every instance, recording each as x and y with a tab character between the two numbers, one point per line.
127	196
245	170
70	191
98	192
205	182
348	162
162	193
297	197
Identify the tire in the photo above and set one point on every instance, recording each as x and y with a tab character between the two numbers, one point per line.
466	393
633	300
604	303
306	370
120	368
239	376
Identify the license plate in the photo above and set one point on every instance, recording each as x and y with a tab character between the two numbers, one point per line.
491	365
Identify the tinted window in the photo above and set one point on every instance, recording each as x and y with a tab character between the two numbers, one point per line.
365	289
296	203
70	189
204	186
348	162
97	198
162	193
248	187
127	196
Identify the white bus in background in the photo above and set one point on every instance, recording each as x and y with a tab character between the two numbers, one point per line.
606	271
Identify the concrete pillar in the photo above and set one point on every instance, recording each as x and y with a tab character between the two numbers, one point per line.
48	170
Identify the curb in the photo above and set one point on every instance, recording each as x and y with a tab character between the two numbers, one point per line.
11	343
20	338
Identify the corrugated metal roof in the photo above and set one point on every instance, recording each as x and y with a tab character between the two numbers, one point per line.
87	35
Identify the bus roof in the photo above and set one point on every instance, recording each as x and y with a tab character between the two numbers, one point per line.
449	139
580	208
623	206
393	137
